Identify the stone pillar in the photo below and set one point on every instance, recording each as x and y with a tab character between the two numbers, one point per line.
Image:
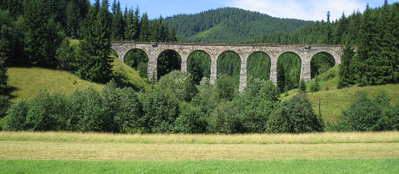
305	70
243	72
273	69
214	73
152	65
183	62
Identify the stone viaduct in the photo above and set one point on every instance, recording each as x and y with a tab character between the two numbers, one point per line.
305	53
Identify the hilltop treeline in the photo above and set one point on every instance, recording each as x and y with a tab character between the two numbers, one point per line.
229	25
337	32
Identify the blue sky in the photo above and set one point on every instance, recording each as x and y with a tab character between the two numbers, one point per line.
300	9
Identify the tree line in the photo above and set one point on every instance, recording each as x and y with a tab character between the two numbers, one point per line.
376	59
39	33
229	25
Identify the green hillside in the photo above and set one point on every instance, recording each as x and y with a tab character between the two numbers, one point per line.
26	82
334	100
230	25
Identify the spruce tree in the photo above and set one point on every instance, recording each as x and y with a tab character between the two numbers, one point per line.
94	63
145	27
346	77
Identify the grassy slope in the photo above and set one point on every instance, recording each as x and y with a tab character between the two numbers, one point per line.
28	81
335	100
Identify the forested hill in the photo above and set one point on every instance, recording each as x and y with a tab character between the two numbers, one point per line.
230	25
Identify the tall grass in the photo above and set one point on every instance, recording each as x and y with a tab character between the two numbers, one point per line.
309	138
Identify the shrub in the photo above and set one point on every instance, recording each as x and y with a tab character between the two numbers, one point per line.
161	108
279	121
224	87
16	118
130	111
190	120
181	84
225	119
295	116
365	114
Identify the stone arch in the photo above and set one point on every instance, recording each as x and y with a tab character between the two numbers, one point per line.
335	57
318	66
230	67
167	61
257	63
288	76
132	50
199	67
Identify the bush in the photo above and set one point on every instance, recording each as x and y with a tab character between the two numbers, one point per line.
190	120
161	108
16	118
224	87
181	83
256	103
295	116
130	111
279	121
365	114
302	116
225	119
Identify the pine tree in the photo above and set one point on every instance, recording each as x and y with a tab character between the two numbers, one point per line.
346	77
94	63
145	27
367	49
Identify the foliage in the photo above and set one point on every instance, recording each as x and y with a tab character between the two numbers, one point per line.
225	91
346	72
191	120
366	114
229	25
199	65
229	63
168	61
180	83
258	66
295	116
288	72
93	57
161	108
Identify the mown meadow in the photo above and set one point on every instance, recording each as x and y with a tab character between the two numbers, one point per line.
65	152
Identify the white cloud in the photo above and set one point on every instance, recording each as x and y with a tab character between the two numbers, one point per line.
301	9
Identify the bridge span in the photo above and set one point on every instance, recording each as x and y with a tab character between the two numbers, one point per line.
305	53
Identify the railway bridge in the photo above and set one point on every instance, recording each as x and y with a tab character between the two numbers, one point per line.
305	53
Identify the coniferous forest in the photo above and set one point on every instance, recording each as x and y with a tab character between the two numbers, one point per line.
75	36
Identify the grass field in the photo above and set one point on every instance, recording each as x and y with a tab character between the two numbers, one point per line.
334	100
54	152
360	166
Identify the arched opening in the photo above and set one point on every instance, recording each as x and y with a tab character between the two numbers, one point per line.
229	63
258	66
288	71
199	65
138	60
168	61
321	63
